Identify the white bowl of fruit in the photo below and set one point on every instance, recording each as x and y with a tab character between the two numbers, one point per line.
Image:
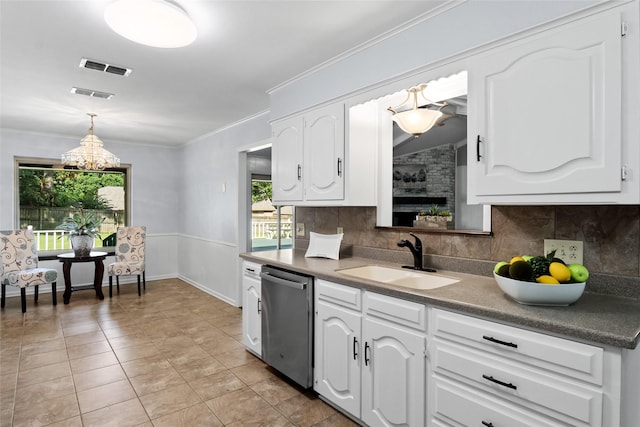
541	280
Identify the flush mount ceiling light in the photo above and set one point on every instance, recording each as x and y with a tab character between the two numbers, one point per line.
90	155
416	121
157	23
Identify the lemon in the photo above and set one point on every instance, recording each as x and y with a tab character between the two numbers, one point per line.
560	272
547	280
516	258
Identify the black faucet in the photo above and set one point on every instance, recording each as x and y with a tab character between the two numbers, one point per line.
416	251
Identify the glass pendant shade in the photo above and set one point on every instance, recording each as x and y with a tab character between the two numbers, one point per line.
418	121
156	23
90	155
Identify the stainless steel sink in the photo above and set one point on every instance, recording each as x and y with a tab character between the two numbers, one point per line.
404	278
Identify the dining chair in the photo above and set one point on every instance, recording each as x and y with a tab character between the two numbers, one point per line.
129	256
19	266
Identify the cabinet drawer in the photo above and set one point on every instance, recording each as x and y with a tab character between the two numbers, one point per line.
342	295
570	358
533	388
454	404
405	313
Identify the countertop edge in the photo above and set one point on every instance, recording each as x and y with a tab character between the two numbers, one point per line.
491	303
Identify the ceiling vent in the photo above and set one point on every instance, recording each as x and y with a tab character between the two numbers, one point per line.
107	68
92	93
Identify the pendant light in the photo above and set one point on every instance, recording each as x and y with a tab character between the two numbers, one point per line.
416	121
90	156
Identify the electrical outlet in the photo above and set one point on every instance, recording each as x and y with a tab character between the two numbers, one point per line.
300	229
340	230
570	251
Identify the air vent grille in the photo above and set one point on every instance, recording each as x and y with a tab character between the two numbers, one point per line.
104	67
91	92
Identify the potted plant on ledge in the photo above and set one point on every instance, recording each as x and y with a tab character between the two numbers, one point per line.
82	228
433	218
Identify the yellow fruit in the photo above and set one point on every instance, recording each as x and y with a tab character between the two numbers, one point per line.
516	258
560	271
547	280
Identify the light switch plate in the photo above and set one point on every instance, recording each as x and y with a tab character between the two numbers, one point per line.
569	251
300	229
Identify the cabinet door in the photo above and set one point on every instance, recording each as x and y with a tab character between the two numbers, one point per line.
287	157
324	153
545	115
393	375
337	356
251	314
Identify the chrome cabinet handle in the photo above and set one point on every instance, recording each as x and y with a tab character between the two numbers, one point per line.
299	172
259	306
488	424
478	156
339	167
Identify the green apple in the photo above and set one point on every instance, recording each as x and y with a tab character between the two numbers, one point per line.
579	272
527	257
498	265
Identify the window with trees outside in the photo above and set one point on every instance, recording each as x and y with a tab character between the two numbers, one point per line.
271	226
48	193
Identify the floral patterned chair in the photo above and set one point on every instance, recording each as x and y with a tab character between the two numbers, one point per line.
129	256
19	266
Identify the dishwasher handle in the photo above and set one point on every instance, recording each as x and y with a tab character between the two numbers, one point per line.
285	282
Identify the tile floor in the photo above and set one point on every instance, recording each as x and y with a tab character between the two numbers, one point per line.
172	357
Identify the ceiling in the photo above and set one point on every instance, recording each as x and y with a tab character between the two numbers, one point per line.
243	49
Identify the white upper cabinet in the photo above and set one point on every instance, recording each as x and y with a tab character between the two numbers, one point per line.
545	116
286	163
314	165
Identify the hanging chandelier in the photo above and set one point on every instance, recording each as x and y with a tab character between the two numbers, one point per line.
90	155
416	121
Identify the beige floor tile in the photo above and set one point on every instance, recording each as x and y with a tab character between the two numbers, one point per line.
236	357
253	372
187	355
200	368
156	381
127	354
224	344
28	377
97	377
89	349
87	338
94	361
336	420
268	418
145	365
305	410
194	416
216	385
44	390
275	390
123	414
44	336
240	405
105	395
43	347
81	329
69	422
129	340
43	359
47	411
8	381
169	400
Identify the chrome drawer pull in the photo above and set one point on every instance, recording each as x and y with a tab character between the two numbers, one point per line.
502	383
497	341
355	348
366	358
488	424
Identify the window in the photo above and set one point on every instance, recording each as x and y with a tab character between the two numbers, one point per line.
271	226
47	191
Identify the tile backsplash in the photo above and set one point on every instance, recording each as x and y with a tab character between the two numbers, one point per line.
611	235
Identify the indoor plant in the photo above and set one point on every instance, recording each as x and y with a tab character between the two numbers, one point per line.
435	217
82	228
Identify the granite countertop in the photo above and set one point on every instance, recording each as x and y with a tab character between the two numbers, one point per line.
597	318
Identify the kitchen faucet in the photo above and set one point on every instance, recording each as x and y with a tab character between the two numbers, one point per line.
416	251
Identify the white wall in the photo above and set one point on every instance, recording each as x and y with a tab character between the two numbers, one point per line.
208	243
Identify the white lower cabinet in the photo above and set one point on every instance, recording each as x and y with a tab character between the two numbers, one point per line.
251	307
370	355
484	373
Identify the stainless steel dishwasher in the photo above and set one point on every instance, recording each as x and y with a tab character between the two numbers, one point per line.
287	323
